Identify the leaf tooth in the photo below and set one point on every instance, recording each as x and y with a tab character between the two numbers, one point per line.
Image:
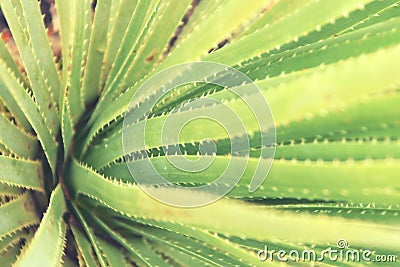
61	245
20	186
15	242
11	246
346	14
106	205
69	114
48	128
26	223
102	128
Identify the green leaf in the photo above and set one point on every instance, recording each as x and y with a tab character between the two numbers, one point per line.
12	239
113	254
16	140
32	113
97	47
198	12
8	190
12	105
50	235
273	12
74	35
67	127
373	180
346	21
303	98
328	51
285	30
370	118
341	151
41	47
130	201
200	245
17	214
23	35
91	236
84	246
387	10
179	258
163	28
10	62
352	118
10	256
366	212
145	12
21	173
130	247
124	13
219	25
152	257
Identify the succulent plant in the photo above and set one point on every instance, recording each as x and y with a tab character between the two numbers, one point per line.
328	70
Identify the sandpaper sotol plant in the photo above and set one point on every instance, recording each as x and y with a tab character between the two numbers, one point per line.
328	69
